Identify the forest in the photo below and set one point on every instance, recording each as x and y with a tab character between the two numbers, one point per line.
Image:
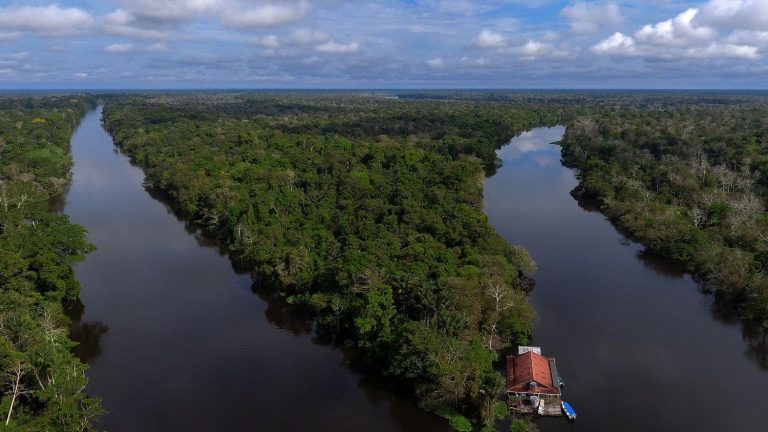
367	212
42	381
689	182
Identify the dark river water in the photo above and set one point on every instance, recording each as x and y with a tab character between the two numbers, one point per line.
638	345
178	341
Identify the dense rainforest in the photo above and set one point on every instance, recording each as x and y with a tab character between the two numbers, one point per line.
366	211
689	182
42	381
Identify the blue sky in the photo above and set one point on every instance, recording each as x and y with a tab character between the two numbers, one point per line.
383	44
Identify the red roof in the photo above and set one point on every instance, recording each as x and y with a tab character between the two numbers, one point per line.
530	367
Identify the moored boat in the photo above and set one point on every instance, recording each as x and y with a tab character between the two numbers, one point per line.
568	410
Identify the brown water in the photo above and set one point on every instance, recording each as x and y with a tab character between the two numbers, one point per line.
178	341
639	346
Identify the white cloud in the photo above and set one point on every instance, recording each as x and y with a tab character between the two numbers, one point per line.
268	14
118	48
748	37
436	63
587	17
739	14
168	10
80	75
9	36
124	23
618	44
621	45
48	20
481	62
678	31
270	41
304	36
533	49
489	39
718	50
334	47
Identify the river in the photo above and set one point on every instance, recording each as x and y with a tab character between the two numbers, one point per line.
177	340
638	345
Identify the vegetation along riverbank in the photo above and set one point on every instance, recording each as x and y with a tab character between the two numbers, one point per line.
689	182
42	381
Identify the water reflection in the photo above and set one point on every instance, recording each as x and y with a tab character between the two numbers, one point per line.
87	334
633	334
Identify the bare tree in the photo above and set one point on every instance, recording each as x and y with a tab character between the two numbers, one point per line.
15	385
697	216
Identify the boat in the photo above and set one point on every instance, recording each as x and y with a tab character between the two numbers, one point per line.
568	410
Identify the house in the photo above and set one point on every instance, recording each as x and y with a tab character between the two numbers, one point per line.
533	384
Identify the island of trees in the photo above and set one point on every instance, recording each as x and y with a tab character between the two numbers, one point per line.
368	212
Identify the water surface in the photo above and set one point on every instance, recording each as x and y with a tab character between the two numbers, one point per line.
639	346
178	341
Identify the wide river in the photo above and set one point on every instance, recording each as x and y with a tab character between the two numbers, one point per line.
639	346
178	340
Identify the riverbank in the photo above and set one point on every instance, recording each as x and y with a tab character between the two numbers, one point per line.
42	381
624	325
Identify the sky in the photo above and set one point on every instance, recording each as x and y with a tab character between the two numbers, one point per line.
268	44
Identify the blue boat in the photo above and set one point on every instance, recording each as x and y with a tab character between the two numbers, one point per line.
568	410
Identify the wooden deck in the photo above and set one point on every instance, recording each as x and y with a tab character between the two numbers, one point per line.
548	407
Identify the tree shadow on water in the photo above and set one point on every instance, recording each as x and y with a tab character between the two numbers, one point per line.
87	334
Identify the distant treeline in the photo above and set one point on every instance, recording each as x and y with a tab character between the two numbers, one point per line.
368	211
42	381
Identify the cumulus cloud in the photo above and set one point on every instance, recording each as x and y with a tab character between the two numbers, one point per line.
268	14
124	23
748	37
587	17
436	63
118	48
305	36
527	50
721	50
333	47
677	38
489	39
270	41
678	31
737	14
47	20
617	44
168	10
533	49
